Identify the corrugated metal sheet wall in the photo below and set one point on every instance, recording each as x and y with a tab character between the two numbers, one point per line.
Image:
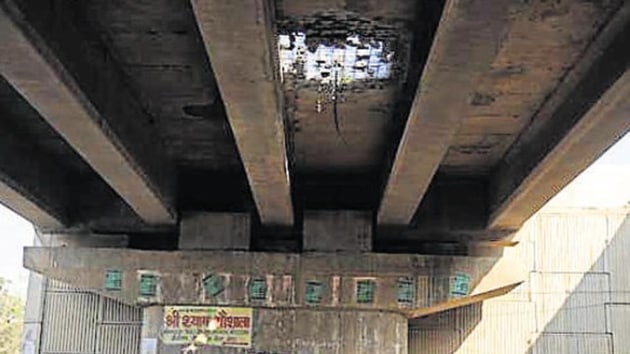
77	321
576	300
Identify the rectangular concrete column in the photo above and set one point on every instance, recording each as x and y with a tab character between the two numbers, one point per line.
33	314
151	325
297	331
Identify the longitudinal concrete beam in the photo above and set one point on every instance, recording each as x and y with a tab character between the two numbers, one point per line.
30	184
240	42
74	84
588	113
465	45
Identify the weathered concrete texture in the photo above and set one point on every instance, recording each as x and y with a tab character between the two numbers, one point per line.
588	113
363	117
544	42
390	12
215	231
76	88
240	42
158	48
82	240
355	139
287	331
466	42
342	230
181	276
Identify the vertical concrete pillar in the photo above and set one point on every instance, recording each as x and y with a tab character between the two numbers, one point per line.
33	314
304	331
151	325
330	332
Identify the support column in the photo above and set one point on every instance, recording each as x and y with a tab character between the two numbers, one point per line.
299	331
33	314
151	324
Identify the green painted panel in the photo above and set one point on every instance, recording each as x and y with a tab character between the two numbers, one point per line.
213	284
406	290
365	291
113	280
258	289
313	293
459	285
148	284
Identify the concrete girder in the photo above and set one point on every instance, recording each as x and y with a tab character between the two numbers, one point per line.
23	187
240	42
465	45
75	85
589	112
181	276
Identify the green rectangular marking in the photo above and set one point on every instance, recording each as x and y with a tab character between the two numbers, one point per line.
406	291
213	284
459	285
314	291
365	291
148	284
258	289
113	280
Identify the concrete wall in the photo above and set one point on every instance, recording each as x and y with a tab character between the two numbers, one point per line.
576	300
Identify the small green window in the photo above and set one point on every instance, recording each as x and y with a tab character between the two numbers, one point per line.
406	291
113	280
313	294
213	284
148	284
365	291
258	289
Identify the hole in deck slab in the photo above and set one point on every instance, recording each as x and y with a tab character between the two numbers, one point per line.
348	60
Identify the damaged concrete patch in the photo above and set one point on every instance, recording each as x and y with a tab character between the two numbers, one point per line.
365	49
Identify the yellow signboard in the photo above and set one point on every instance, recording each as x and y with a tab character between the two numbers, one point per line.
222	326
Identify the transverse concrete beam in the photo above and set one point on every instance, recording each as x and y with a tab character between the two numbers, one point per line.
241	46
181	275
588	113
466	42
75	85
